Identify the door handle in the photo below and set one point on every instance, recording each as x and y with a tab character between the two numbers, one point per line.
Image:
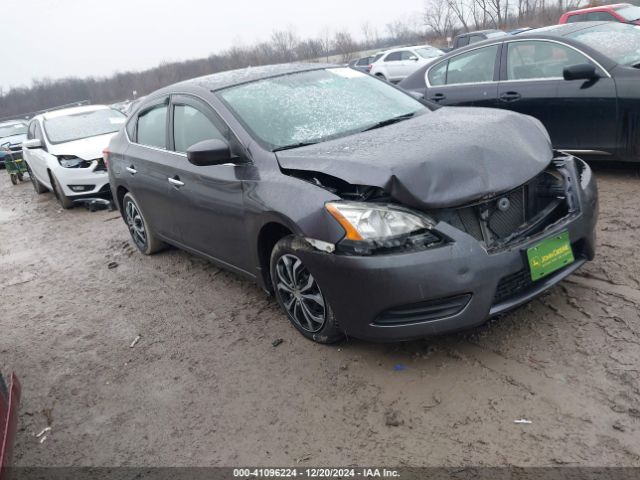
175	181
510	97
131	170
437	97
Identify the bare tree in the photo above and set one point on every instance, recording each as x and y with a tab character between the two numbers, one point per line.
439	17
284	43
345	45
327	42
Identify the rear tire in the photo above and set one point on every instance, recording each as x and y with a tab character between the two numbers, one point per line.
64	201
141	233
299	295
20	176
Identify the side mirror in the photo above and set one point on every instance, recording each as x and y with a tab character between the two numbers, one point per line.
414	58
583	71
33	143
209	152
416	95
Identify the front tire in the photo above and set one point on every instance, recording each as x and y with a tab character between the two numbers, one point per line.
299	295
64	201
37	186
143	237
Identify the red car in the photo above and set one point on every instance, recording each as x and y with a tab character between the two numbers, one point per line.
618	12
9	400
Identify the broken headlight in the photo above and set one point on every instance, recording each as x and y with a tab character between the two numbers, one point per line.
71	161
371	227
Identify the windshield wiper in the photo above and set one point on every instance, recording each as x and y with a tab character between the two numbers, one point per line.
389	121
293	145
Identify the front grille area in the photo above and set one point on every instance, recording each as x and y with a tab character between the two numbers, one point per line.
513	285
424	311
524	211
520	282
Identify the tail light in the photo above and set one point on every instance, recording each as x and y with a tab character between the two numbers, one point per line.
369	67
105	157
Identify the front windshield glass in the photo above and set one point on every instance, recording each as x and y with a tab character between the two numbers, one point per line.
429	52
629	13
86	124
8	130
318	105
618	41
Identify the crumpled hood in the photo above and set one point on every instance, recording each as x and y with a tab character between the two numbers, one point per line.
86	148
445	158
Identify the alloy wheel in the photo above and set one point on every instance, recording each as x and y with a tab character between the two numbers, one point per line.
135	224
300	293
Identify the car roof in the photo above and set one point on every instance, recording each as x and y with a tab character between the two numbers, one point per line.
70	111
231	78
601	8
475	32
553	31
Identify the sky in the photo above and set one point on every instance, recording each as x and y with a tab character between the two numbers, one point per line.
61	38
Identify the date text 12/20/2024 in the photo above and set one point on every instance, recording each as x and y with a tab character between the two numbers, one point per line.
315	473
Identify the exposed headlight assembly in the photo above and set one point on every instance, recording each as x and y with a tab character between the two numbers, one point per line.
71	161
370	227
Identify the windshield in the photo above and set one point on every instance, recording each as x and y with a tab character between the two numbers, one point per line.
429	52
310	107
83	125
629	13
11	129
618	41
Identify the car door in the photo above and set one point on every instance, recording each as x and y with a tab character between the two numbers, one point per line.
579	114
148	164
410	62
37	158
208	199
466	79
393	65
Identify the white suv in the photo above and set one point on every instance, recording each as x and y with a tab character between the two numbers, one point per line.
397	64
63	151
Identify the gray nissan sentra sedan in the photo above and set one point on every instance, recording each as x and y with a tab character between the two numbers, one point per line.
366	212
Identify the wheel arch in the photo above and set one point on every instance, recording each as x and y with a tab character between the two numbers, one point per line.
270	234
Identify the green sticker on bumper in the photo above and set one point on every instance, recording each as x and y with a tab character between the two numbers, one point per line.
550	255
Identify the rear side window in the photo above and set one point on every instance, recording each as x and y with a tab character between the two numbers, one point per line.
191	126
152	127
472	67
394	57
462	41
600	17
576	18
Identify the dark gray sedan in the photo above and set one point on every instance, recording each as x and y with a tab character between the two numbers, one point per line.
365	212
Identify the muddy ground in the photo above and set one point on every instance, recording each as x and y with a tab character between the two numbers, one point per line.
205	386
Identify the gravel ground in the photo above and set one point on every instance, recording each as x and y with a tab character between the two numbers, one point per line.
206	386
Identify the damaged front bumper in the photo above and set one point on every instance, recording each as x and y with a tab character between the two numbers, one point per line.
455	286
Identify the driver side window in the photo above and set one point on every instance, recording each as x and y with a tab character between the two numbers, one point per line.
540	60
191	126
